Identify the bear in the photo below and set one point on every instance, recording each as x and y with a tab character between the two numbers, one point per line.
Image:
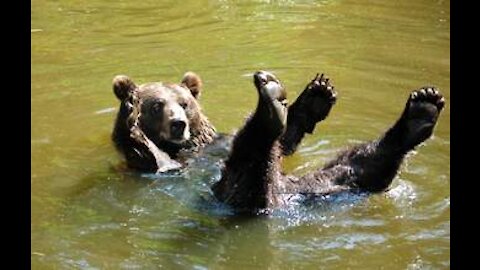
159	124
157	120
252	181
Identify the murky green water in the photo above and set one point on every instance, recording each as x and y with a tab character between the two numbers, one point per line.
88	214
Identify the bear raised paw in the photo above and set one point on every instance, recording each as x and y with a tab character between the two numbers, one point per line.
312	106
420	115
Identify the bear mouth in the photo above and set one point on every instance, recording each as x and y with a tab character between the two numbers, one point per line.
179	138
278	100
269	86
179	141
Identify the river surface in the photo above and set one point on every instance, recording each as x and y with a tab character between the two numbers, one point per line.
88	212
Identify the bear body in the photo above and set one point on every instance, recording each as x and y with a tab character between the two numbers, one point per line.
252	180
157	121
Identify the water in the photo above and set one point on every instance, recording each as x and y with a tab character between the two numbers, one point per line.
89	213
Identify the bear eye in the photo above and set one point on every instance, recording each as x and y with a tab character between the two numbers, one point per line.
157	107
184	105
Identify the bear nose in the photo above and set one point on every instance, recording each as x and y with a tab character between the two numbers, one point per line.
177	127
261	78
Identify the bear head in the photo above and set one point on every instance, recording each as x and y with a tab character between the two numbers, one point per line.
168	114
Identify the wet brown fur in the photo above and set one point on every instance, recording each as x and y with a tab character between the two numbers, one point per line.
252	181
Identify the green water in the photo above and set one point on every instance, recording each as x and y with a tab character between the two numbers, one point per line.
89	214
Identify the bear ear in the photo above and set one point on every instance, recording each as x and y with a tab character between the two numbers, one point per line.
193	82
123	86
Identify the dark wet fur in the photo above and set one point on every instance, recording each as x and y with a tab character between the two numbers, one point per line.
252	180
312	106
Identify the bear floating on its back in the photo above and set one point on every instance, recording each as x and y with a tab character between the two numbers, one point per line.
156	121
252	180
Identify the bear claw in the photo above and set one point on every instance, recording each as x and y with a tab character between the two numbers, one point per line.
430	95
321	85
420	116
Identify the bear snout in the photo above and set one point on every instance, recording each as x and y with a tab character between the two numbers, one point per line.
177	129
261	78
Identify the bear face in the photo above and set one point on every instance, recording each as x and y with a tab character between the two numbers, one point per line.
168	114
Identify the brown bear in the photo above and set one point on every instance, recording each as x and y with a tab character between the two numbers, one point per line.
158	121
252	180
